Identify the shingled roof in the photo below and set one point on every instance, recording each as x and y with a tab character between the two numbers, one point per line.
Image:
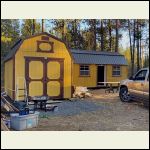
97	57
13	50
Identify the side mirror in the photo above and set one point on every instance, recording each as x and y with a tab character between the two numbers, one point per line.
131	78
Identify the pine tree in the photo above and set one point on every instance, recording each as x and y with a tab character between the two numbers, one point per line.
30	27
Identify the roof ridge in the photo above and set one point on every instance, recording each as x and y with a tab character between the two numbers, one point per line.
99	53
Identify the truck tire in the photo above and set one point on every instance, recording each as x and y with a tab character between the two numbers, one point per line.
124	95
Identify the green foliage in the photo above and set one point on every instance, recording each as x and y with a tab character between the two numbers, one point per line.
10	32
30	27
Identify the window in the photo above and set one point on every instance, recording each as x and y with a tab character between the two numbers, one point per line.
116	71
141	75
84	70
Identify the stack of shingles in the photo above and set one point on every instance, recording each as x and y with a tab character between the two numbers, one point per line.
6	106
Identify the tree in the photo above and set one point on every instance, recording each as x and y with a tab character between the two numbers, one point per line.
30	27
75	33
131	31
102	35
137	45
117	36
91	33
110	34
42	25
10	32
33	27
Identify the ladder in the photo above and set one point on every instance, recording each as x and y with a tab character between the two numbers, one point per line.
24	88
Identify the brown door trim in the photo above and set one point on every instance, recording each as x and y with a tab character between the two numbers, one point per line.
45	79
28	79
60	80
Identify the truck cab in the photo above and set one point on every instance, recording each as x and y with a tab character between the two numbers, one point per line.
136	87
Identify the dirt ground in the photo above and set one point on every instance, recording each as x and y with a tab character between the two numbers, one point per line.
115	116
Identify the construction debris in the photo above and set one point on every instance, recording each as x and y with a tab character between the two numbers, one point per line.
81	92
3	126
6	107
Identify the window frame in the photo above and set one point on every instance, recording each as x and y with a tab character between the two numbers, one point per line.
83	66
140	79
116	75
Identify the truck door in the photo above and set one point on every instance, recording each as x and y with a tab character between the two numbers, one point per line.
146	88
136	87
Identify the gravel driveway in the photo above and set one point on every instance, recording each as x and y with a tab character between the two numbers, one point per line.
102	112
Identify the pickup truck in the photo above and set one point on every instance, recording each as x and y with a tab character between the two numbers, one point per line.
136	87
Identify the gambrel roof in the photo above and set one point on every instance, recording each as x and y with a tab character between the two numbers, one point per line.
79	56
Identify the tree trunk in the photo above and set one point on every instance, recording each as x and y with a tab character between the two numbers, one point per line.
117	36
102	36
131	48
137	44
94	27
62	30
75	33
140	47
134	39
110	35
42	25
33	27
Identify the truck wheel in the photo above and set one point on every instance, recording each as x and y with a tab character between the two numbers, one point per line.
124	95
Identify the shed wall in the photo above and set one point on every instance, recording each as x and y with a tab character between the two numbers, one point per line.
91	81
88	81
29	49
8	77
110	78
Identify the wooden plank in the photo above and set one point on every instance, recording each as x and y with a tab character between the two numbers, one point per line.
9	104
109	82
3	126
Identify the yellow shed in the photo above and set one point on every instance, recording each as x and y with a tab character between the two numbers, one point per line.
44	62
95	68
51	69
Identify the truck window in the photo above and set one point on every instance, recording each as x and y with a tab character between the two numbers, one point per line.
141	75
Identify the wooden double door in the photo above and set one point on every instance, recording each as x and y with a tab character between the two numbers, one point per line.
44	76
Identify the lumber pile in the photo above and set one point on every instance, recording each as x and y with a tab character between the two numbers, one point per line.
6	107
81	92
3	126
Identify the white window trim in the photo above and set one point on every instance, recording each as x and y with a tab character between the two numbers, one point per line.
84	70
116	70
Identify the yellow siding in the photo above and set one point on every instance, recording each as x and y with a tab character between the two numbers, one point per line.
8	77
35	68
110	78
38	88
53	88
29	48
89	81
55	74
